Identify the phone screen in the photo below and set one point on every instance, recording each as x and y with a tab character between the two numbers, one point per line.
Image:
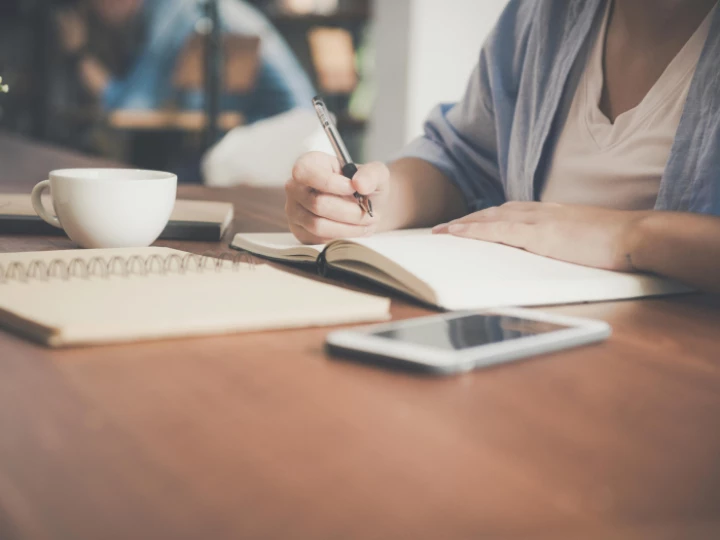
468	331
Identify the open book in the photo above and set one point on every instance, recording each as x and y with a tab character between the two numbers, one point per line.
457	273
80	297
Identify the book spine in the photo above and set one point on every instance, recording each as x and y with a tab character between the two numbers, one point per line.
175	230
322	264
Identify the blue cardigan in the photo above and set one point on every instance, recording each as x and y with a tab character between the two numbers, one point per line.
496	143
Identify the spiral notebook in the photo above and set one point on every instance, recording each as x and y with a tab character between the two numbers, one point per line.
190	220
458	273
83	297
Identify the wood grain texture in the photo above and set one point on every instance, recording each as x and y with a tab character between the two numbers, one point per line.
264	436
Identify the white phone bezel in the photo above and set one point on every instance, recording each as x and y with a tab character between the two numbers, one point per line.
580	332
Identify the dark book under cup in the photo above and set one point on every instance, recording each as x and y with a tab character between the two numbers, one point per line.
191	220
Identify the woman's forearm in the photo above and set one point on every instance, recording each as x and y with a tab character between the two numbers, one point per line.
679	245
420	196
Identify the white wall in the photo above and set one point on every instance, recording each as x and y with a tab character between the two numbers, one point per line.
426	51
389	118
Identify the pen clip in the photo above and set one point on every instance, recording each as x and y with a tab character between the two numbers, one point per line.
331	130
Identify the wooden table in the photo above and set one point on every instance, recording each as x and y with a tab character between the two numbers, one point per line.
170	120
264	436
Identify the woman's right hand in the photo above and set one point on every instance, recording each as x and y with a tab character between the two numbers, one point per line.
320	203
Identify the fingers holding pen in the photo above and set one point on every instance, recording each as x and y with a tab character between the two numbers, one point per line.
371	178
342	209
321	172
318	229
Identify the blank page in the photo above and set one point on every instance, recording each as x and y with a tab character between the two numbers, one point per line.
286	245
274	241
469	274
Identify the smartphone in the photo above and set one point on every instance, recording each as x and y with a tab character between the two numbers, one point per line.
463	341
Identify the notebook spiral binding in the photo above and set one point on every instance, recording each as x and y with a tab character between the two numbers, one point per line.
122	266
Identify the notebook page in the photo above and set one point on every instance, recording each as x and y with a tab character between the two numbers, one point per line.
116	308
285	244
19	205
281	246
470	274
275	241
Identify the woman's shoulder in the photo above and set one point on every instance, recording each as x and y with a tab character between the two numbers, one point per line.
536	31
542	19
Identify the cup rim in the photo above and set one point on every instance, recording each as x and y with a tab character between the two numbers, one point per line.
76	174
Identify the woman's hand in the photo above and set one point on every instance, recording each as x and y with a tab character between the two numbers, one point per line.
578	234
320	203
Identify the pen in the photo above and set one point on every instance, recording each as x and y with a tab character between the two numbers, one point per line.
349	169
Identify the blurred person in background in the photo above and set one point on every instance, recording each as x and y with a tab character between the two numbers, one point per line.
124	55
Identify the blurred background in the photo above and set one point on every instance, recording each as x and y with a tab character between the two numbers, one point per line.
157	83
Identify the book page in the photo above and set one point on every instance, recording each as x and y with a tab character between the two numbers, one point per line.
285	245
469	274
202	211
20	205
275	241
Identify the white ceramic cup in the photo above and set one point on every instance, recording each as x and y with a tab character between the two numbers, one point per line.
108	208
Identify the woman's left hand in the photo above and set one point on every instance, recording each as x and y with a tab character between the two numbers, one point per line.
579	234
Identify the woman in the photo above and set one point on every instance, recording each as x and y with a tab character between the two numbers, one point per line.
589	132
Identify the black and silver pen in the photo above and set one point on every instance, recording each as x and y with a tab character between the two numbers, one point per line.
349	169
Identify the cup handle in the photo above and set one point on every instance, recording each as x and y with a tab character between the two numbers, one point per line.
36	199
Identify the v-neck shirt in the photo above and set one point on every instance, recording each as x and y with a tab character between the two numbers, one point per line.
620	165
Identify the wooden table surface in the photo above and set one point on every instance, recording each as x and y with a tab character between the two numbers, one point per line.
264	436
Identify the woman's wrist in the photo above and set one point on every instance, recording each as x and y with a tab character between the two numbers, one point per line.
638	239
679	245
420	196
396	212
651	238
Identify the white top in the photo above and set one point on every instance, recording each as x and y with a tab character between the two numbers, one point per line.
620	165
